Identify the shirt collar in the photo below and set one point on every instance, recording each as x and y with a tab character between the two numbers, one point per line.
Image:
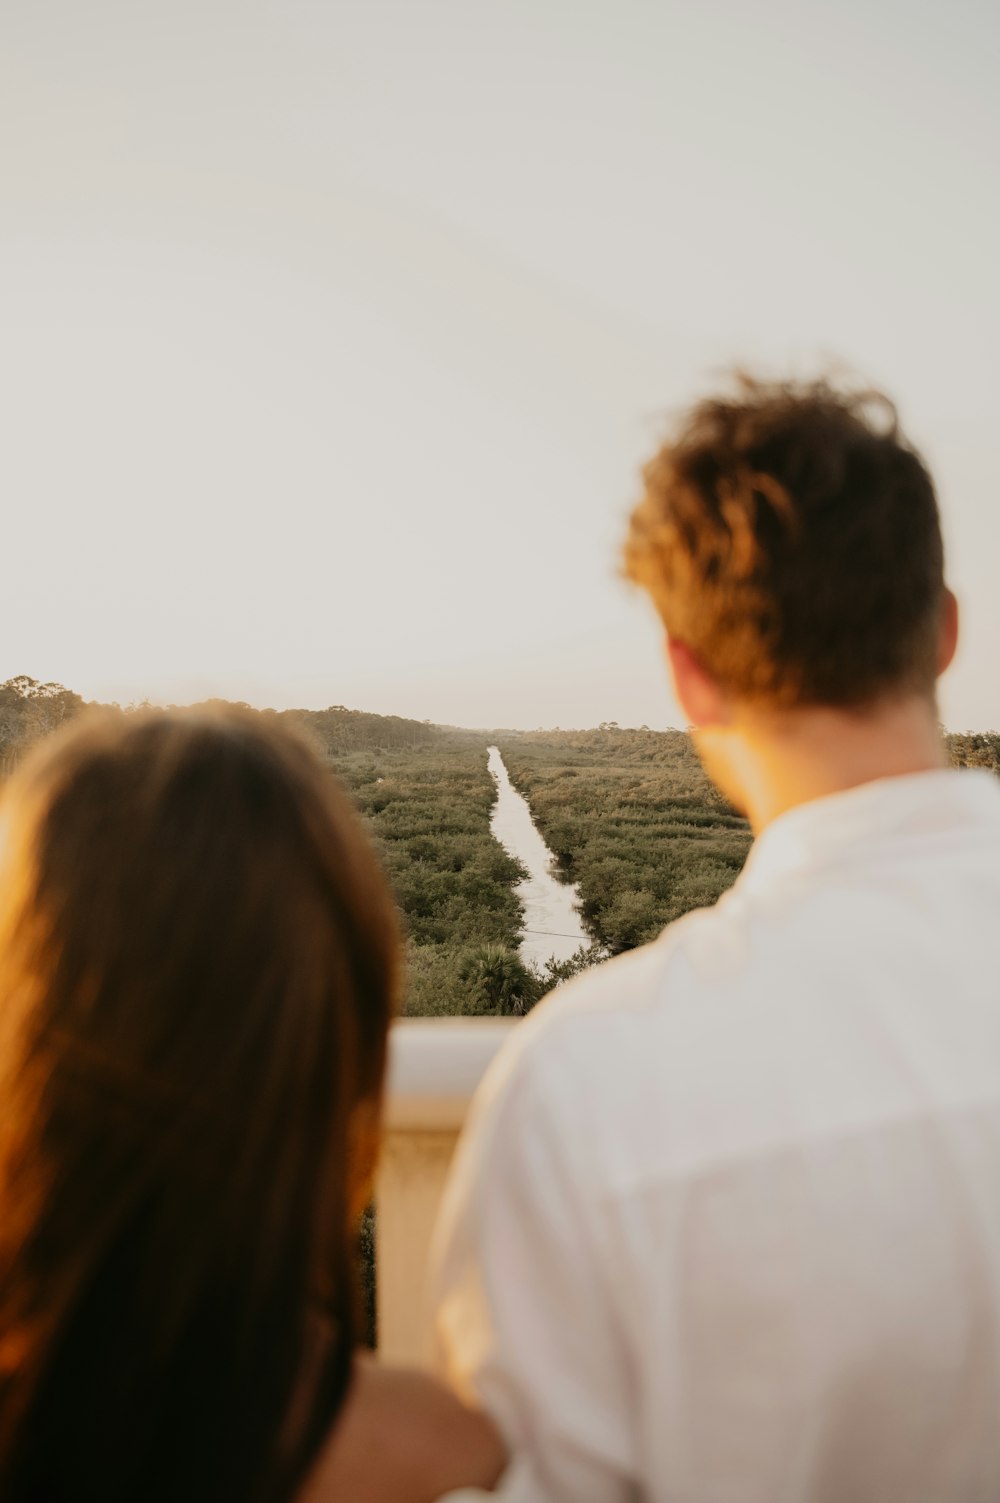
828	829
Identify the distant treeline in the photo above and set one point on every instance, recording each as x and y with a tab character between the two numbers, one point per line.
342	730
29	710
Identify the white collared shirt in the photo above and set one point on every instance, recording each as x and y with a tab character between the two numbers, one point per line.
725	1223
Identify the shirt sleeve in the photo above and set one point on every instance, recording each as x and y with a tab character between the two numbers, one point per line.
515	1486
524	1316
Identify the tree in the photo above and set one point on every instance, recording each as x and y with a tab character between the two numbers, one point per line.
29	710
498	981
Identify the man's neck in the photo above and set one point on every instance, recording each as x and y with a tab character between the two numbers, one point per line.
782	760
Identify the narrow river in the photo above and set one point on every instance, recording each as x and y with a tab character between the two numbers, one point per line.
551	921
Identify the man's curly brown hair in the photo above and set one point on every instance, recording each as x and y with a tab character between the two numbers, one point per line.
789	535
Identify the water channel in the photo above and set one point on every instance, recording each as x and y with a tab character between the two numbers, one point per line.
552	925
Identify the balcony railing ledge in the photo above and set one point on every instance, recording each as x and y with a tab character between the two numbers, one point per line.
435	1065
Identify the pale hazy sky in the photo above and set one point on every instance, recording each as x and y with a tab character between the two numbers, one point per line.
332	334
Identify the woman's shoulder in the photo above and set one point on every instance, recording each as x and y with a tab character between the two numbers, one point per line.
403	1437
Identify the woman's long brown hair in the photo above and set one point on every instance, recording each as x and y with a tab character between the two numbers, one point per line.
198	963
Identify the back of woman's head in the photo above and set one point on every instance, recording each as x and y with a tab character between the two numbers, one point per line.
198	960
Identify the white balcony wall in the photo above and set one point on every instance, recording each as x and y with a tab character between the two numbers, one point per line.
435	1065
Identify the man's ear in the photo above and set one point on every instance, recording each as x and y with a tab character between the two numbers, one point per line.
948	631
698	695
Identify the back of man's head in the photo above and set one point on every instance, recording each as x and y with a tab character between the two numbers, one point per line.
789	537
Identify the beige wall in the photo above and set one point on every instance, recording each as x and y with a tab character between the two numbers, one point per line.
411	1178
435	1066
